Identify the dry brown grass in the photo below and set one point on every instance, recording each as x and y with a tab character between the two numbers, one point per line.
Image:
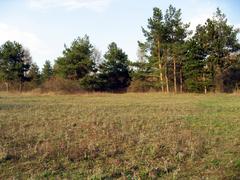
99	136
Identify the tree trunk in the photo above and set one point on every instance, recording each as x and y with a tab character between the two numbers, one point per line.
166	79
181	80
213	80
219	80
205	87
161	77
237	87
166	73
20	87
175	74
160	65
7	86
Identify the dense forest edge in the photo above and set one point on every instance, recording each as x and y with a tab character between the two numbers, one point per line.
171	59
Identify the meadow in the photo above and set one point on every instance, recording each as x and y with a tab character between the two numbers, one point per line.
120	136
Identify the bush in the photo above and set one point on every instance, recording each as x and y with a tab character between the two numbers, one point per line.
2	86
140	86
61	85
91	83
12	86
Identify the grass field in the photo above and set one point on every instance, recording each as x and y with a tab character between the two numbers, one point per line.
126	136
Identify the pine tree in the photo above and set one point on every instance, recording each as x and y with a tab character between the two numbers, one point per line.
219	40
176	32
47	71
155	39
34	75
195	72
114	72
77	61
164	38
15	62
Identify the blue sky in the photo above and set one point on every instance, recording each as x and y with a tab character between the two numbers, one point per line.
43	26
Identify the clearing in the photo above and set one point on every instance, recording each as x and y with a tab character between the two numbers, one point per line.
126	136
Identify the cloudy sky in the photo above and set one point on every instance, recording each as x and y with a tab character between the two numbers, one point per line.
43	26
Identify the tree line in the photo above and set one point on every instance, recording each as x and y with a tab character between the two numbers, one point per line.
171	59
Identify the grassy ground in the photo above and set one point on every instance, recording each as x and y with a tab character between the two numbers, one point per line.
105	136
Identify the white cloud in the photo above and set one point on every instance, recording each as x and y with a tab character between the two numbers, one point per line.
200	13
97	5
29	40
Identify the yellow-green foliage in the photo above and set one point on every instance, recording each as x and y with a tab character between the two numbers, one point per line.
106	136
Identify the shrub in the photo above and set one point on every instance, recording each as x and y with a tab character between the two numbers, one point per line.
61	85
141	86
91	83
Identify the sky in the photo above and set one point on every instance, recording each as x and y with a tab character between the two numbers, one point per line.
44	26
